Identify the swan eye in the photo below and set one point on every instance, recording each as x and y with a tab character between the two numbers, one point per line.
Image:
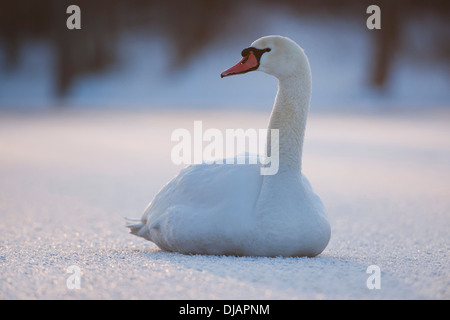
257	52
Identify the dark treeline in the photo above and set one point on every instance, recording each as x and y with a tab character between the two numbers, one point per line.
188	25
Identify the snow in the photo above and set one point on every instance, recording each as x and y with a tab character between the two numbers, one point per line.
68	179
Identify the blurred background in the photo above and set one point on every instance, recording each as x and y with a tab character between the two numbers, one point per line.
169	54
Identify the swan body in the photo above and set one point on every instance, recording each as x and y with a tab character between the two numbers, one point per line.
233	209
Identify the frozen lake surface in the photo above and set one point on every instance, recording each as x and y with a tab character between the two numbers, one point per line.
68	178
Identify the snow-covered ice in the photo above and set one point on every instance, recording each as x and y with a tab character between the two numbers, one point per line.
68	178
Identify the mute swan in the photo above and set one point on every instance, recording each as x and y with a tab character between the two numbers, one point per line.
233	209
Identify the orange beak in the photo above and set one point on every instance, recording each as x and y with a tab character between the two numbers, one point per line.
248	63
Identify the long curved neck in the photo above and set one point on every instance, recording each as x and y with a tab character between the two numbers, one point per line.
289	117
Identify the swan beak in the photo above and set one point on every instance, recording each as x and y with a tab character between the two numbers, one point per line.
248	63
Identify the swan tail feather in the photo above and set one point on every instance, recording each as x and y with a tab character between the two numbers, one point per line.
139	229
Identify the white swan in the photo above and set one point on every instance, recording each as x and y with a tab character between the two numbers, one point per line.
233	209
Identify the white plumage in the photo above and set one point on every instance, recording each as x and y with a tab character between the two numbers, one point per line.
233	209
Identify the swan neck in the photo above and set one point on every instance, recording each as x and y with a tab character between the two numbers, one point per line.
289	116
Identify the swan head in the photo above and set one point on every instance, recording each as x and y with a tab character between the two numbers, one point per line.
275	55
